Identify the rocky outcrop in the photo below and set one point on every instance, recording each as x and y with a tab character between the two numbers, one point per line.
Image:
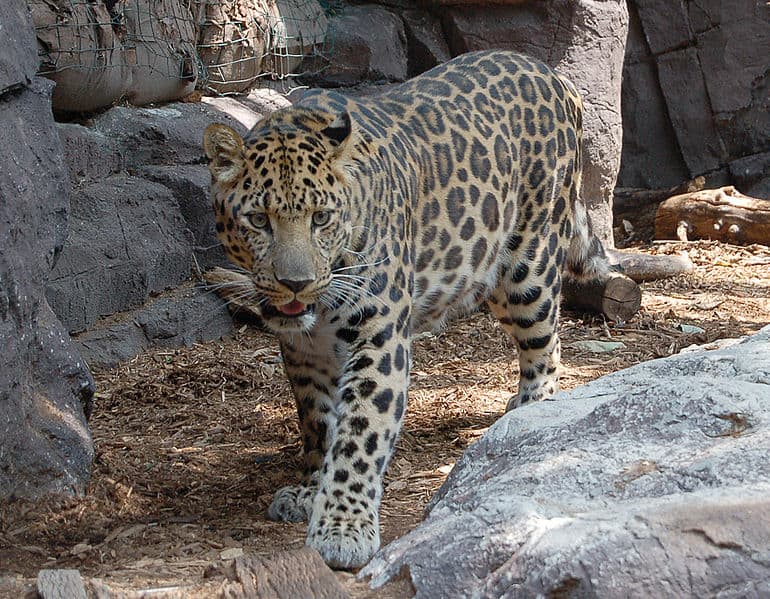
367	43
45	388
649	482
180	317
141	224
695	98
134	235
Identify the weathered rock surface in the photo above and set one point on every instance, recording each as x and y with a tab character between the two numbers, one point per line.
141	223
585	41
651	157
425	41
133	236
711	86
127	239
181	317
369	44
44	386
171	134
649	482
189	184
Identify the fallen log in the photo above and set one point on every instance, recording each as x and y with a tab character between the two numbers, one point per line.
617	296
287	575
722	214
643	267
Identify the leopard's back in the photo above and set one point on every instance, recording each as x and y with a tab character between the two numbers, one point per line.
471	153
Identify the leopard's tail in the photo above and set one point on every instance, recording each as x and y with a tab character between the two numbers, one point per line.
586	258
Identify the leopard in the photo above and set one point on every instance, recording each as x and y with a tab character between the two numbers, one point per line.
355	222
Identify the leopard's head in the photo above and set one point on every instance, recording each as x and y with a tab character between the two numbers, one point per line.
282	205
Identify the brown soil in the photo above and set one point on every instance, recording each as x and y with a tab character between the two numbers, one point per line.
191	443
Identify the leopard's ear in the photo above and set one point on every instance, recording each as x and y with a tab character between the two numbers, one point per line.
224	149
339	129
338	132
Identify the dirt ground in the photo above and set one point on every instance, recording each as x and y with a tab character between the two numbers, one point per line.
191	443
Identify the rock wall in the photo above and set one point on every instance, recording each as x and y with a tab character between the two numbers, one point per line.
649	482
45	388
696	94
141	228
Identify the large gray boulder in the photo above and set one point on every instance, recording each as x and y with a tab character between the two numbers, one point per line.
132	236
651	157
44	386
127	240
181	317
141	226
649	482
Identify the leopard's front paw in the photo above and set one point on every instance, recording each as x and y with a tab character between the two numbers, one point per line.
293	503
531	395
345	542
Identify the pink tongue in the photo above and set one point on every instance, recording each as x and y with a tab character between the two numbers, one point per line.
292	308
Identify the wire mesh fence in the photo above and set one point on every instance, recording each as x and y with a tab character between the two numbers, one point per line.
153	50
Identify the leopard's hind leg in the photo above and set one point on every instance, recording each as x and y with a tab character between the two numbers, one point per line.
526	302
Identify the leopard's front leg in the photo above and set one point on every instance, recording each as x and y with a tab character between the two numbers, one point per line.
344	526
313	369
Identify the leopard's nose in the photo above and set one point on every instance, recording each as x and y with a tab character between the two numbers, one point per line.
295	285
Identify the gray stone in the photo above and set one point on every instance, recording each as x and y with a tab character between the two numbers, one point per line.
511	27
737	77
135	236
127	240
182	317
249	109
369	44
425	40
190	185
172	134
585	41
760	189
18	64
88	153
649	482
752	175
681	80
712	65
650	157
45	389
675	35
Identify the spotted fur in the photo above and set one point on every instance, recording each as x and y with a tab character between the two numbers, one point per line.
358	221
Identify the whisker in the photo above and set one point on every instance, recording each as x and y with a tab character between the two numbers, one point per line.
361	292
226	285
369	265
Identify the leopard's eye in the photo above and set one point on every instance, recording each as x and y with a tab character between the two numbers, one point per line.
258	220
321	218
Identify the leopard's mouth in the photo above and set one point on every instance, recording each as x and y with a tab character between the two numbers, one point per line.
294	309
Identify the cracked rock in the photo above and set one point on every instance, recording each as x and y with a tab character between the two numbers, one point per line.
45	388
650	482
